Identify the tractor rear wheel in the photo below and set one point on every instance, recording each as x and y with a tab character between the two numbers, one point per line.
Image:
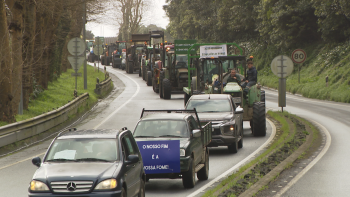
140	72
166	89
149	78
259	119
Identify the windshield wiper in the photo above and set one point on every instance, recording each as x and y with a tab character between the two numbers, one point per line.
92	159
142	136
53	160
169	136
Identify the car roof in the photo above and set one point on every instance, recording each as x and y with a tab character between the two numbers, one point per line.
210	96
90	133
166	116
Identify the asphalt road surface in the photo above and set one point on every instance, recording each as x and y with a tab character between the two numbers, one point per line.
123	109
330	175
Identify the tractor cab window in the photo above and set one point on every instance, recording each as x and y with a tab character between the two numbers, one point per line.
181	61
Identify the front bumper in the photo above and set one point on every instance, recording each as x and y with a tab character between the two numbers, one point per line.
221	140
92	194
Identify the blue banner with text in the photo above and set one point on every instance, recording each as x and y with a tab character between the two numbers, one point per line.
160	157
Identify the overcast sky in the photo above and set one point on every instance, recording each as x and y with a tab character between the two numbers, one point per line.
155	15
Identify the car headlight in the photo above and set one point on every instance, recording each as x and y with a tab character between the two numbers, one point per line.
182	152
107	184
38	186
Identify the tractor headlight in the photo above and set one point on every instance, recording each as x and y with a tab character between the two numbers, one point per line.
38	186
182	152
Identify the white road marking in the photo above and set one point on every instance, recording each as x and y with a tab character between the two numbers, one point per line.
314	100
119	108
238	165
308	167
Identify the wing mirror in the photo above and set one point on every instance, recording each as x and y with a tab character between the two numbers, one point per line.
239	110
36	161
196	133
132	159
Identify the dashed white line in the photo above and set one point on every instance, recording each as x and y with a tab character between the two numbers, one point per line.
120	107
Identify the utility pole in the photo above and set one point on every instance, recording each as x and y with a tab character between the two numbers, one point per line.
84	38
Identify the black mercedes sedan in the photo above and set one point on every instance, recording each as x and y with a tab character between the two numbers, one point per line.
95	163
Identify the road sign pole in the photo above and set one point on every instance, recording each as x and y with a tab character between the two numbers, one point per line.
84	38
299	73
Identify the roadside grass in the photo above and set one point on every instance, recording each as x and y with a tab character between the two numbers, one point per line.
229	181
323	60
61	92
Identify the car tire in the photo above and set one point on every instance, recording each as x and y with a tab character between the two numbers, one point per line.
203	173
259	119
233	148
189	177
123	194
149	78
166	89
142	189
240	143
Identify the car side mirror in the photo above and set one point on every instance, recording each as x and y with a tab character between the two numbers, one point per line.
196	133
36	161
239	110
132	159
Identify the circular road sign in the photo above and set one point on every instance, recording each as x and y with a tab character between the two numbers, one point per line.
282	66
98	50
298	56
76	46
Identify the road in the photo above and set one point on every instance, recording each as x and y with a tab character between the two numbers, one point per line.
330	175
123	109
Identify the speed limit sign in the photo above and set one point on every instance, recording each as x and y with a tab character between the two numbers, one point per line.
298	56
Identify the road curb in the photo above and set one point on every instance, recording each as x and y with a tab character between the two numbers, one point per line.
278	169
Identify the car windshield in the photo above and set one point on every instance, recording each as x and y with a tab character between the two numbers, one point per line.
81	150
161	128
210	105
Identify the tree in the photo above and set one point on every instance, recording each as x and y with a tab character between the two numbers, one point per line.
89	35
6	96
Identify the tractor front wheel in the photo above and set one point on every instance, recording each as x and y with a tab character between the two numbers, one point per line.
161	77
259	119
186	98
149	78
166	89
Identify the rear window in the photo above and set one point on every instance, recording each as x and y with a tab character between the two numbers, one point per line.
210	105
161	128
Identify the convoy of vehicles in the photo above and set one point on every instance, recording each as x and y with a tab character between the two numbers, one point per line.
165	143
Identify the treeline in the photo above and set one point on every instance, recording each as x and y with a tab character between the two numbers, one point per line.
281	23
33	39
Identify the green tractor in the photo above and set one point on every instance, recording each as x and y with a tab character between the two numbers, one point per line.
135	52
174	76
209	75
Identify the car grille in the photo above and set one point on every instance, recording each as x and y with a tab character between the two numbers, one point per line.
80	186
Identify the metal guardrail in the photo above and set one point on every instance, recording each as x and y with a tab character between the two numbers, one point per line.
27	128
100	87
